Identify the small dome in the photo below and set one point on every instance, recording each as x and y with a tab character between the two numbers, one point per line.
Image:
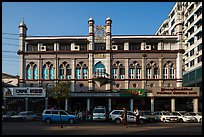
22	24
90	19
108	18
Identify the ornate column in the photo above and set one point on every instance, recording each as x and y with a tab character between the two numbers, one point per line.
126	73
56	67
73	64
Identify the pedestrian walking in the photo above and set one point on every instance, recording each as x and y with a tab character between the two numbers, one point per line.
137	113
124	118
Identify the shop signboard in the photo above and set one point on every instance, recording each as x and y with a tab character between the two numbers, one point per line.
176	91
132	92
24	92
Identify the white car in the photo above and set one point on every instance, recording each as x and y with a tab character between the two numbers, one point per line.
99	113
184	117
116	116
197	115
24	116
166	116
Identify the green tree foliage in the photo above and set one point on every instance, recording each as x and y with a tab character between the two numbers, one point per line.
61	90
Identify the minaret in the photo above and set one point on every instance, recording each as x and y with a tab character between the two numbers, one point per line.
108	48
91	34
90	48
22	35
179	59
108	33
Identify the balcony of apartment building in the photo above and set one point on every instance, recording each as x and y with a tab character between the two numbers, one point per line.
194	36
194	12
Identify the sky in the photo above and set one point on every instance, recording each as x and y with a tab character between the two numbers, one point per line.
71	18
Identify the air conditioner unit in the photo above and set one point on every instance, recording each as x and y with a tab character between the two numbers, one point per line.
147	47
197	53
114	47
42	48
76	48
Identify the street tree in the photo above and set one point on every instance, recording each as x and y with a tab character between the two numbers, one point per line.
60	91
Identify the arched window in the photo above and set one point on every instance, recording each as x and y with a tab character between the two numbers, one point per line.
165	70
155	73
114	71
138	71
148	71
35	72
28	72
99	70
44	72
61	72
131	71
121	71
68	72
52	72
172	76
78	72
84	72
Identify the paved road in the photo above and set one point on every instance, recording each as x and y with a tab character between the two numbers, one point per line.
100	128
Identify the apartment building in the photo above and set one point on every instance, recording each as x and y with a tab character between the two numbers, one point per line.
190	15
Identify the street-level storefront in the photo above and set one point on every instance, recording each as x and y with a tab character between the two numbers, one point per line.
158	99
24	98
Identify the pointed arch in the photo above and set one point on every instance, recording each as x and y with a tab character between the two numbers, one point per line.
28	71
52	74
68	72
61	71
99	70
35	72
45	72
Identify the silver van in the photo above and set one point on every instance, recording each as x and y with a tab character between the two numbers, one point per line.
99	113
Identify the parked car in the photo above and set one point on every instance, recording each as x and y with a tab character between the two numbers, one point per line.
51	116
99	113
6	116
183	117
24	116
166	116
197	115
150	116
116	117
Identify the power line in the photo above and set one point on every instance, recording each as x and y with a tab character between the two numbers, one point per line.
11	58
10	33
10	44
8	60
10	38
10	51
